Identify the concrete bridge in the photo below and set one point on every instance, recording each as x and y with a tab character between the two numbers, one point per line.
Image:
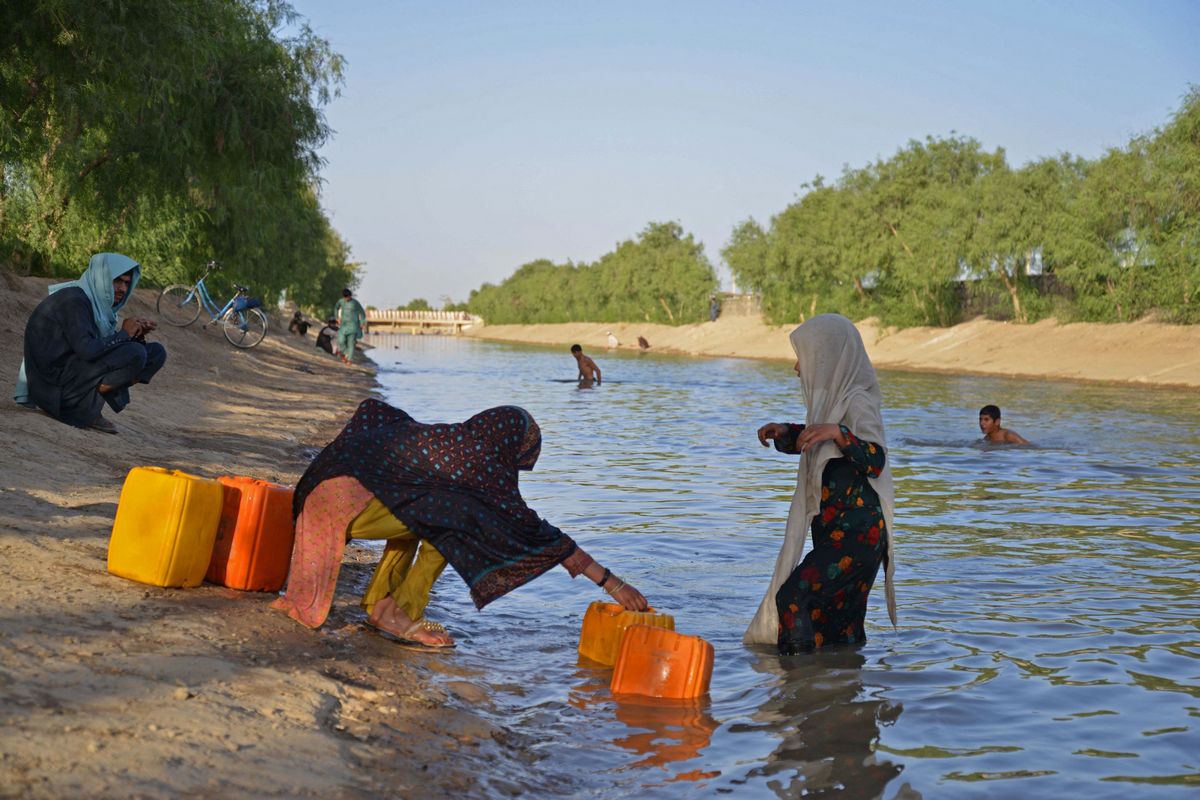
421	321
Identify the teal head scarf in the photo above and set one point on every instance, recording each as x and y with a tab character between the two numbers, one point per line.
97	283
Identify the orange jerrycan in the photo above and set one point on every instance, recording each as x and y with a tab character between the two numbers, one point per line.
661	663
254	540
165	526
604	623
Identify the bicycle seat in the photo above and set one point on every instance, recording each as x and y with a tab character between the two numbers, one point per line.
242	289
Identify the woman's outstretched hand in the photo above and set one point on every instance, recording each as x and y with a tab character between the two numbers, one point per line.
630	598
772	430
624	594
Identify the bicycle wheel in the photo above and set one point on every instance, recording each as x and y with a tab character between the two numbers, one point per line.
245	328
178	305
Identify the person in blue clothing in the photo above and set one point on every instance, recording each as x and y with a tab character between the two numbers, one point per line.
78	355
352	320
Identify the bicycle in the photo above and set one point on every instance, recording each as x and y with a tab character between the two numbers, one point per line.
243	323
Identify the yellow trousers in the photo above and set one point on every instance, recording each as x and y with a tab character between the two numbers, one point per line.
409	566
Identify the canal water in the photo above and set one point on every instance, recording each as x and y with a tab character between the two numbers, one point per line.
1049	596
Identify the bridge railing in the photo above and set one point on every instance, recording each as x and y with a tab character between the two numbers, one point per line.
395	315
421	320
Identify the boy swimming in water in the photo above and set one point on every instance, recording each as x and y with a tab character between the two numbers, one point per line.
989	423
588	371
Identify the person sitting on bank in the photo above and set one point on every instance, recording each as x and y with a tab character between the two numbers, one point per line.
352	320
327	336
298	325
436	493
78	356
588	370
989	423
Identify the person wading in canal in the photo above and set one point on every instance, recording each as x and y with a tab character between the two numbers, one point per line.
589	372
843	495
436	493
993	431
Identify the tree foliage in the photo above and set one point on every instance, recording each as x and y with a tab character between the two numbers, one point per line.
171	130
662	276
945	228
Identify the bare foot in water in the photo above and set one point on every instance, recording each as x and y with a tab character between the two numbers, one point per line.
390	618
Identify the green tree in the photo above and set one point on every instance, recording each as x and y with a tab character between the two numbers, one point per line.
662	276
921	198
174	130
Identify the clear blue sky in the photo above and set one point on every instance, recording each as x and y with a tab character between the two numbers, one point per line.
471	138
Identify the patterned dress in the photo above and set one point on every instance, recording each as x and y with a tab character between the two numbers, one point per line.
454	485
824	600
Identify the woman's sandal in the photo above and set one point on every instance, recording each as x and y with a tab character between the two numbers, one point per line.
406	640
430	627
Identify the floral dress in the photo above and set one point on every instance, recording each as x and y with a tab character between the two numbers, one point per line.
824	600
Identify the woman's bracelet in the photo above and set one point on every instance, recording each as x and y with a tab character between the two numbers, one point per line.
620	585
604	580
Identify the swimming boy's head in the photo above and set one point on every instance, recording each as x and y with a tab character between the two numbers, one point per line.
989	419
576	349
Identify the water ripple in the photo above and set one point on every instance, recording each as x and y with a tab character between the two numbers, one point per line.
1048	642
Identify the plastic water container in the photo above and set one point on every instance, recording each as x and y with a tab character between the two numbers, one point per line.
603	624
653	662
165	526
253	548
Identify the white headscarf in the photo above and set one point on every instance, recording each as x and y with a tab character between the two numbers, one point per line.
840	387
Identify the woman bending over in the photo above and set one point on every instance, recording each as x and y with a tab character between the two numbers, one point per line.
436	493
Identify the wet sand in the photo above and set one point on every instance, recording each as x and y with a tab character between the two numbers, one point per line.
110	688
1138	353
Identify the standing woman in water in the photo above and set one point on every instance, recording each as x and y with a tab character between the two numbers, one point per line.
843	495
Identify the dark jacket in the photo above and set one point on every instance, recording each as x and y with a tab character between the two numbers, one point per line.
62	344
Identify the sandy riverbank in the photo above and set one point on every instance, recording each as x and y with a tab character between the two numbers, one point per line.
1139	353
109	688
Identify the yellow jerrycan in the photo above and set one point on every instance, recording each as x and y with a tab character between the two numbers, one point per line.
165	527
603	624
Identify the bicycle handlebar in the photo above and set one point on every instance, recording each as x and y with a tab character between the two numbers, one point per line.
213	266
